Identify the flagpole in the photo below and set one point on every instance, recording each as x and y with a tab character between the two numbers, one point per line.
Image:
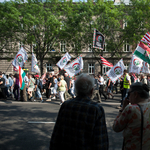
7	68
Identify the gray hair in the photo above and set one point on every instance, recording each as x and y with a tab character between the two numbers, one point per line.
84	84
142	89
61	77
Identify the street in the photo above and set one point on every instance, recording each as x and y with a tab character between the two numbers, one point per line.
29	125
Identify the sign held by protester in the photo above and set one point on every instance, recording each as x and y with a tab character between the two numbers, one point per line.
116	71
74	67
63	61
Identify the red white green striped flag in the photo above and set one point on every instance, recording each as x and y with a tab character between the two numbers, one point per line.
21	78
142	51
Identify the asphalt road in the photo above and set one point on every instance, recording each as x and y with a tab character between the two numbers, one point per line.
29	125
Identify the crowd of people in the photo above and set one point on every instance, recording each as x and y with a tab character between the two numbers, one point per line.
52	86
81	122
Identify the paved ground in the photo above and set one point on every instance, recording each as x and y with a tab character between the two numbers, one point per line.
29	125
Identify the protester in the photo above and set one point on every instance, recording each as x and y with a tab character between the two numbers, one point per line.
143	79
11	81
81	122
50	87
101	83
109	88
129	118
7	86
55	87
62	86
95	95
16	87
68	81
37	89
2	86
23	93
131	77
31	87
126	85
115	87
72	86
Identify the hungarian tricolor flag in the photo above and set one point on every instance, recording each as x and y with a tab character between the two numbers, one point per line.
105	62
98	40
142	51
21	78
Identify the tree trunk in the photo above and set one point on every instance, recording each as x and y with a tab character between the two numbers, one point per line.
41	65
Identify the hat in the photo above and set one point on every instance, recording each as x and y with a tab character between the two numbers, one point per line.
37	75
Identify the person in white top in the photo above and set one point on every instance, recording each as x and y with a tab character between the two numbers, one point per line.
55	87
101	83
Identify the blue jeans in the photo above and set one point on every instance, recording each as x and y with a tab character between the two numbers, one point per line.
125	94
69	91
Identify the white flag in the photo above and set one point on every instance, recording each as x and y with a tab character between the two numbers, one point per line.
136	64
145	68
34	66
74	67
63	61
20	58
116	71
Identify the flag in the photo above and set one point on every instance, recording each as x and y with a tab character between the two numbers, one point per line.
74	67
146	38
34	65
20	58
98	40
142	51
145	68
136	64
15	69
116	71
63	61
21	78
105	62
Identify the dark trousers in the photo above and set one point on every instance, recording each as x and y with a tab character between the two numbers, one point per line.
101	91
3	93
125	92
69	91
16	89
48	92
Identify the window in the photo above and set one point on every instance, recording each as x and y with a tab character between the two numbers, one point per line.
21	44
126	47
63	46
91	68
127	66
48	67
33	47
90	48
125	24
105	48
105	69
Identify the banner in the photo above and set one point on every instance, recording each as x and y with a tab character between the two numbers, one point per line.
34	65
145	68
105	62
20	58
74	67
98	40
116	71
136	64
63	61
142	51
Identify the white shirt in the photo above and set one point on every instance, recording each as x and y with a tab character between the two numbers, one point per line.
102	81
26	80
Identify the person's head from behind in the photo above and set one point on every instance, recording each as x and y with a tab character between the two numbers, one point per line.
61	77
138	92
125	71
84	85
